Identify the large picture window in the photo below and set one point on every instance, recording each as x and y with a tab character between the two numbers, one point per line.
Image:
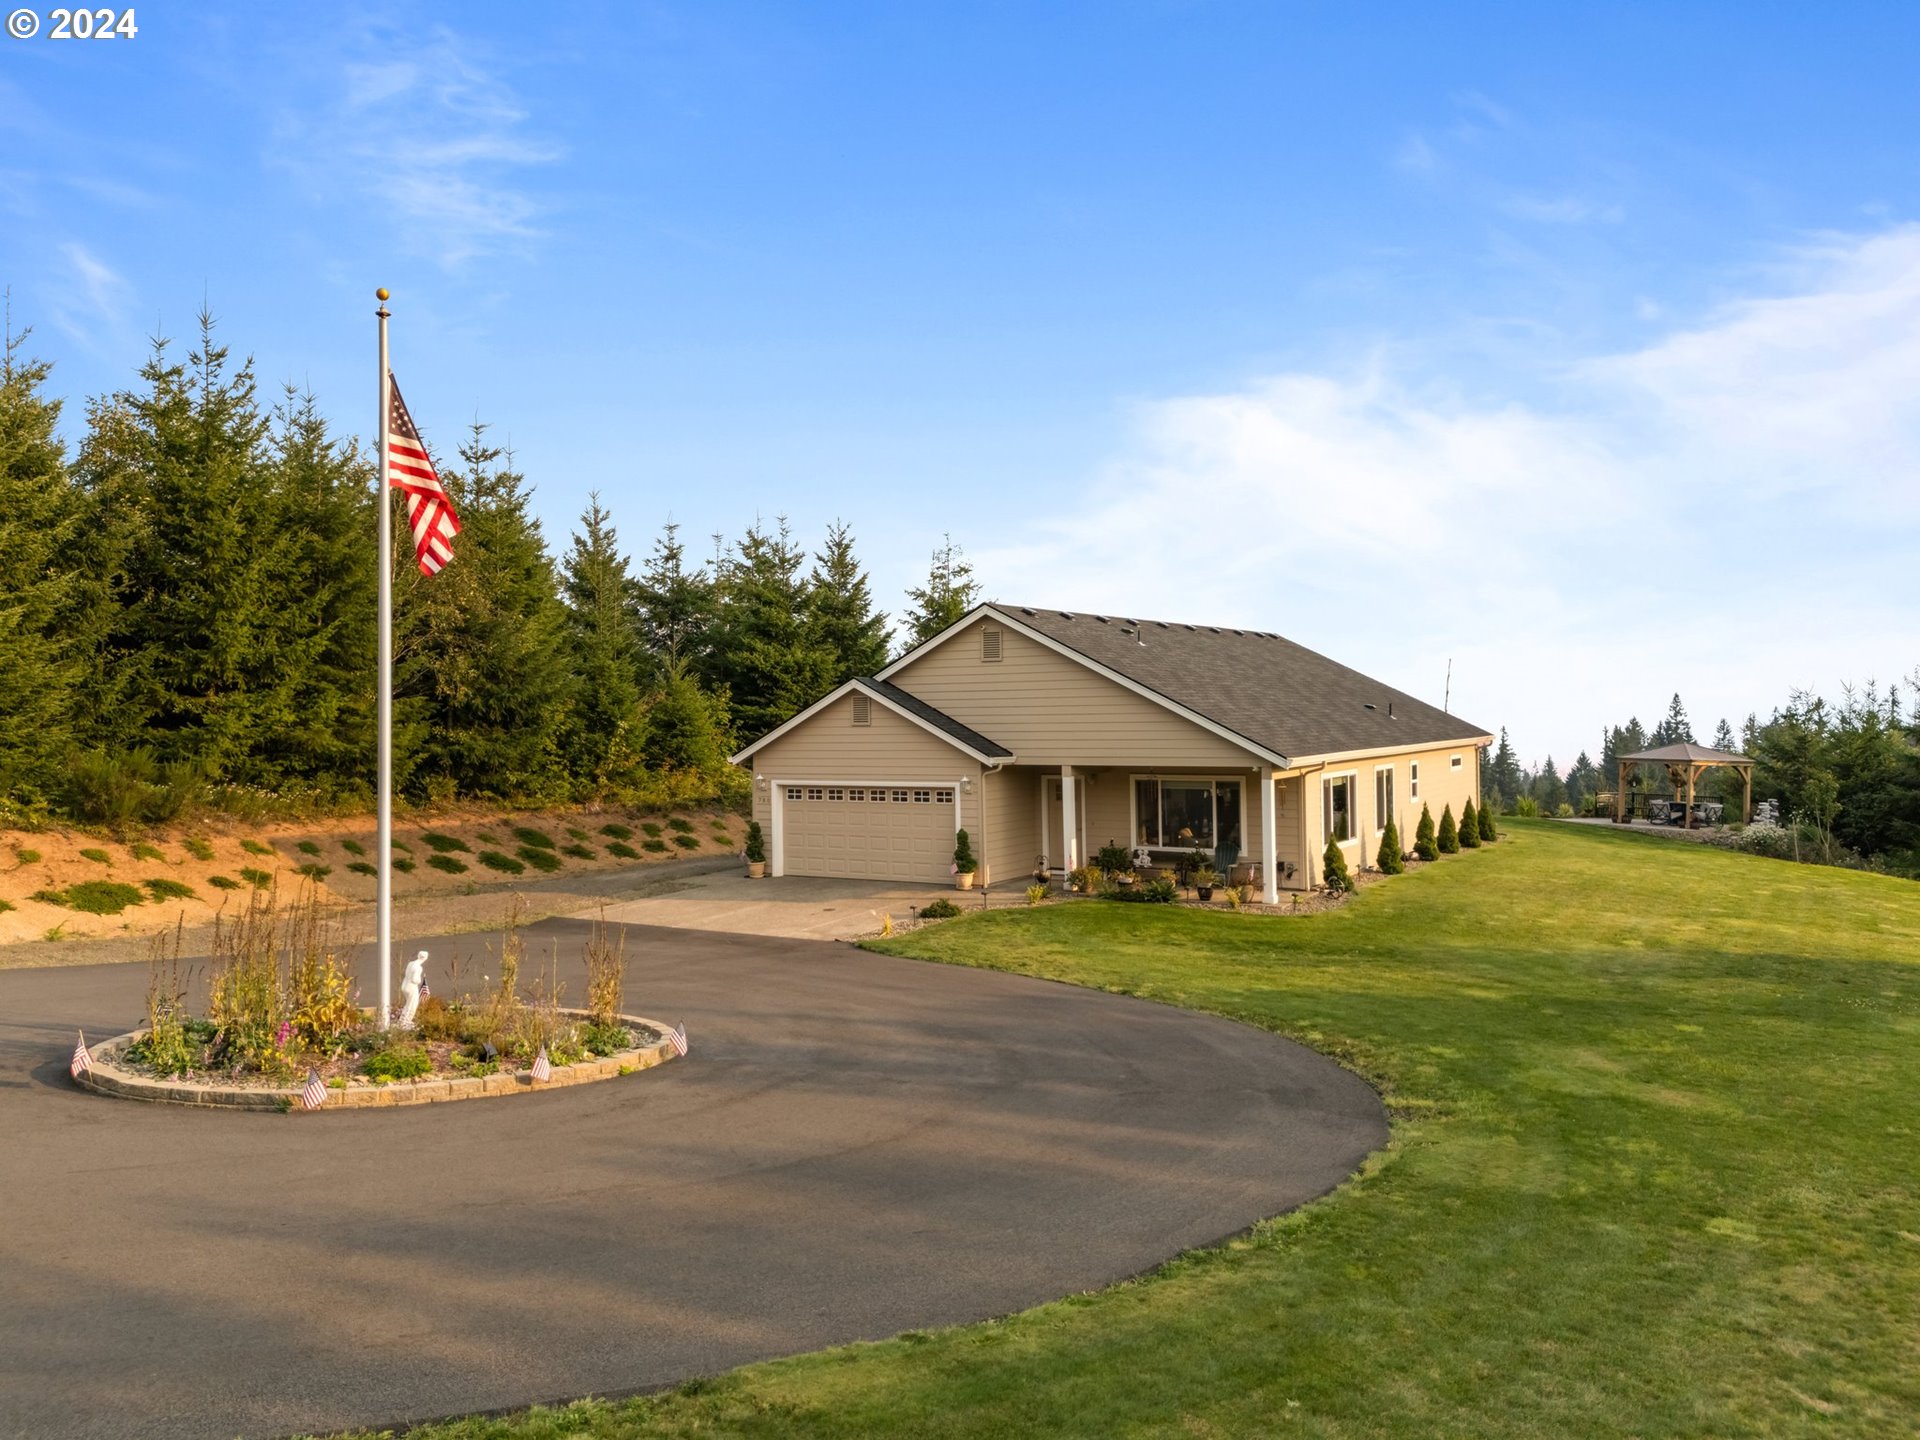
1186	814
1338	807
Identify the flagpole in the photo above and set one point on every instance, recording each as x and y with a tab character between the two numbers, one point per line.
384	905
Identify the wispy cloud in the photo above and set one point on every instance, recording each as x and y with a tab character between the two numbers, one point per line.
94	304
442	143
1561	210
1694	515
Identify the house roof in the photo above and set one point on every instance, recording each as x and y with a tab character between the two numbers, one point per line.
1686	752
910	707
1283	697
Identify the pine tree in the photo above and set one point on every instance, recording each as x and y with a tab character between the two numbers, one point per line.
950	592
38	507
1487	831
685	728
840	614
676	604
765	656
1334	865
1676	728
1388	860
483	679
1425	845
604	742
1548	790
1448	840
1502	776
1470	827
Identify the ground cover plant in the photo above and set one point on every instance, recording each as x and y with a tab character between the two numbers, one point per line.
161	888
1651	1175
93	897
447	863
254	847
308	847
353	847
223	882
198	847
545	861
99	857
259	879
143	851
443	844
685	827
362	867
623	851
579	852
538	839
649	828
687	842
617	832
505	864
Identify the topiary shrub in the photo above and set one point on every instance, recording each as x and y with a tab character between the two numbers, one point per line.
1114	859
756	843
621	850
963	861
1389	859
1339	879
1487	830
447	864
545	861
939	910
443	844
1449	837
1425	844
505	864
1469	827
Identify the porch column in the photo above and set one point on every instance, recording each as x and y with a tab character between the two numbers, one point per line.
1069	825
1269	840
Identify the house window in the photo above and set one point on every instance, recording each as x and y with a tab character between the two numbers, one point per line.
1199	814
1382	798
862	710
1337	811
856	795
793	792
836	794
814	792
943	797
899	797
1454	764
1413	780
923	797
990	643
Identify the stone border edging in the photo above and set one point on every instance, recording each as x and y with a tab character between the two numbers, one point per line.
110	1079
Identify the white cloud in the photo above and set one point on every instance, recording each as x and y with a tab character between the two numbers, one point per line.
92	303
1561	210
1688	517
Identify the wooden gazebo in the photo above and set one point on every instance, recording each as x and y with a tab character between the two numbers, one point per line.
1685	763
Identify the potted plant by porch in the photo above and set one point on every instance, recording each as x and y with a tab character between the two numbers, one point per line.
756	852
964	865
1203	881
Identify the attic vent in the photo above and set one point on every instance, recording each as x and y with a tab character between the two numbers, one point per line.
990	643
862	710
1240	632
1101	618
1024	610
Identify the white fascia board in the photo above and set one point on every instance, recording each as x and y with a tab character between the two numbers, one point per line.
1272	757
875	695
1405	748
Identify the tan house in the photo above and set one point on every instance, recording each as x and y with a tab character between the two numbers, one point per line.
1047	734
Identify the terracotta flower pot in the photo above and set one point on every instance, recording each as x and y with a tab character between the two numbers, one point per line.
756	869
963	880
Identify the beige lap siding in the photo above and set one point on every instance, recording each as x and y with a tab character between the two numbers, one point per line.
1051	710
1012	827
831	749
1441	786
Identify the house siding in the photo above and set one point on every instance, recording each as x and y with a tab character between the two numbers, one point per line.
1052	710
1440	786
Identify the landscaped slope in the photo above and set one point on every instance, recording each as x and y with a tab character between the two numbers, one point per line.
1653	1174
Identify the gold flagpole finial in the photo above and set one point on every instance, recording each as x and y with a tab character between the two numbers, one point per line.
382	294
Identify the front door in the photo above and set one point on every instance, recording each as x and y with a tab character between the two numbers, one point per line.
1051	833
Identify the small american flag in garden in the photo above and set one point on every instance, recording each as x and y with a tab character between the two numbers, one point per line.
82	1061
542	1067
429	511
314	1094
677	1038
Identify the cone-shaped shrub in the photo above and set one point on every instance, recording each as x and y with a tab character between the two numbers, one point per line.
1487	832
1449	840
1424	845
1339	878
1469	827
1389	859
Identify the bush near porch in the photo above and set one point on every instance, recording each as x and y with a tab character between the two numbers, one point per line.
1651	1174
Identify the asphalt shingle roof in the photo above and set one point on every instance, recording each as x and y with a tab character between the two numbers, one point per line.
939	719
1282	696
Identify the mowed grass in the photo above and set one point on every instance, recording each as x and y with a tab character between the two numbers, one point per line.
1655	1171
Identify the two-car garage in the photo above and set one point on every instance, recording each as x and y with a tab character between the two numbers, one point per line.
867	830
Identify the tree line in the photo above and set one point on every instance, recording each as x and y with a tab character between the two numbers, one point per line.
187	614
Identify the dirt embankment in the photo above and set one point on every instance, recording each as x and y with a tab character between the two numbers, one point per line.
68	896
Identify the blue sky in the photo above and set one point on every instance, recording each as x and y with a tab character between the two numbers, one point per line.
1574	346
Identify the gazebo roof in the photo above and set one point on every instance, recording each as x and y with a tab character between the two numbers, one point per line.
1687	753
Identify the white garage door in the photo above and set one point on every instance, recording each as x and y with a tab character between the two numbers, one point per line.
863	831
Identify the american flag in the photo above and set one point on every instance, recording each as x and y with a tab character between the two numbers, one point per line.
314	1094
542	1068
82	1061
677	1038
429	511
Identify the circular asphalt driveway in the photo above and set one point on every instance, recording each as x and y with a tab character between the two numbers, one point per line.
857	1145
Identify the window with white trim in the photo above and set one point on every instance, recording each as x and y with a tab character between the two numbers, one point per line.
814	792
899	797
943	797
856	794
1186	813
1382	798
923	797
1454	763
793	792
1413	780
1336	809
835	794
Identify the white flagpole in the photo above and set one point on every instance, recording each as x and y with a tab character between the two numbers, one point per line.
384	905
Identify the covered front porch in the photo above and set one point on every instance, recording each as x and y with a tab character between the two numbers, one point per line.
1248	822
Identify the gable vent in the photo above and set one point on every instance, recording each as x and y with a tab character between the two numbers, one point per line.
862	710
990	643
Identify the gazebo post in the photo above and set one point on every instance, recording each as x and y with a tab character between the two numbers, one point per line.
1620	796
1686	822
1746	801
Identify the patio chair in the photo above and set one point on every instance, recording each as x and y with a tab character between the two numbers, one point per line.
1224	856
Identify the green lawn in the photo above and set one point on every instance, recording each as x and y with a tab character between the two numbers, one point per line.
1655	1172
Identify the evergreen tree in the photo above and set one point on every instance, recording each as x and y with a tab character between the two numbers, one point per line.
950	592
1502	777
840	613
1333	863
1448	839
1488	832
1425	843
604	743
765	654
1548	790
1388	860
483	676
1469	827
685	728
1583	782
1676	728
38	671
676	604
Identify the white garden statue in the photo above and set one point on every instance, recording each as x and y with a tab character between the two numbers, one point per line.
411	984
